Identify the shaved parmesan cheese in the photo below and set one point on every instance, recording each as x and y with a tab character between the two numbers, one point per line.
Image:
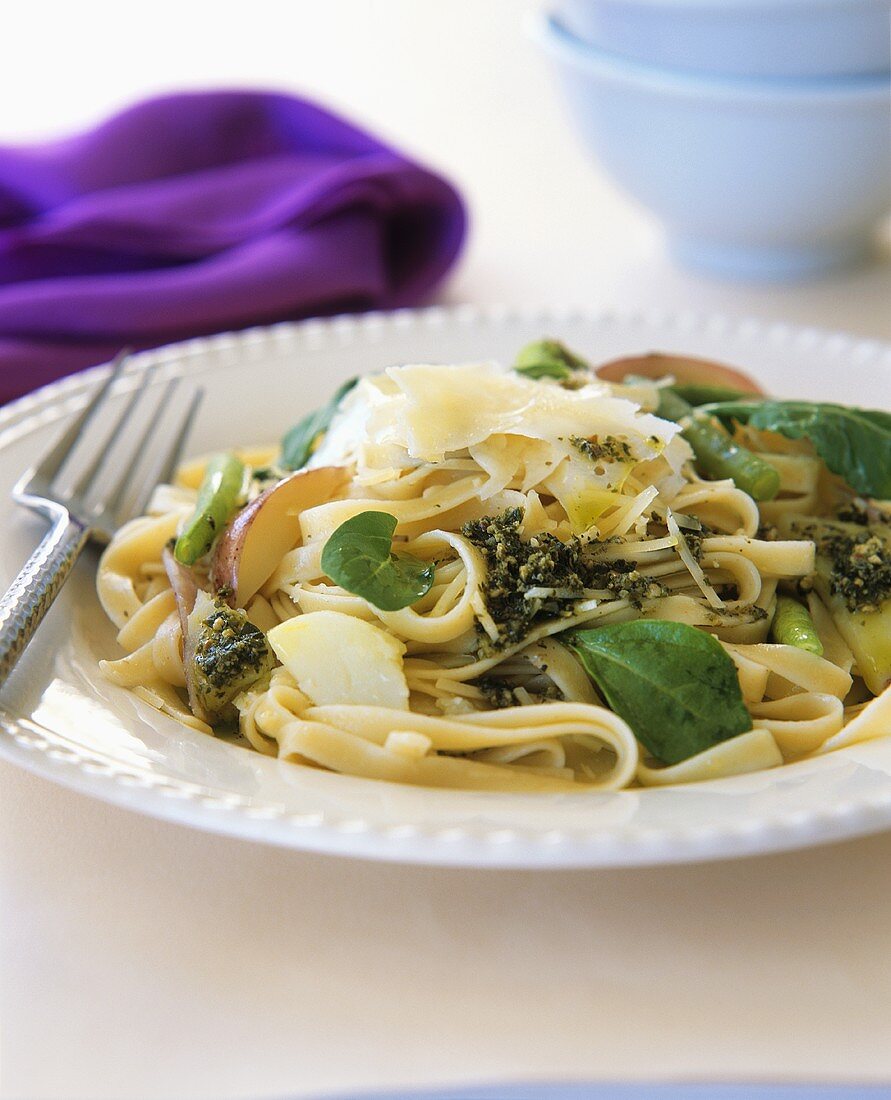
692	564
582	493
427	412
535	519
500	458
636	508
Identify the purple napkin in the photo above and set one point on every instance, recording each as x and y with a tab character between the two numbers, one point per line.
197	212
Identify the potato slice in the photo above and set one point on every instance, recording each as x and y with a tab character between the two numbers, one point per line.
337	658
867	633
249	551
683	368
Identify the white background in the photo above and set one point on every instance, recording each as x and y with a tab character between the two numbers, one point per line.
138	959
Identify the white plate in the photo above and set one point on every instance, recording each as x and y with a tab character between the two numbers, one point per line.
60	719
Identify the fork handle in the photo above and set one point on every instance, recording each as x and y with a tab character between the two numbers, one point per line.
31	594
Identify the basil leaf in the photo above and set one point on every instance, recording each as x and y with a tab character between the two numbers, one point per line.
544	370
359	557
300	442
673	684
548	359
854	443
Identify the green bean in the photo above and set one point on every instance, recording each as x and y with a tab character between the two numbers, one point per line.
548	359
702	393
793	625
716	453
218	499
672	406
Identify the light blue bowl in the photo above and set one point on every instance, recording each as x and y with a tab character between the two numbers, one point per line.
751	179
772	38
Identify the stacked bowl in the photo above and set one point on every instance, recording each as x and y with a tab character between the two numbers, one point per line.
757	131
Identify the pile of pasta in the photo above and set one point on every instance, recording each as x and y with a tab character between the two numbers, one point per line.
440	448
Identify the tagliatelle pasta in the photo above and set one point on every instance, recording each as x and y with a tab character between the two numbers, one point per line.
450	543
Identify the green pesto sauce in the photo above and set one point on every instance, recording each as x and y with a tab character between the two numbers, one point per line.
499	693
514	566
230	655
609	448
860	567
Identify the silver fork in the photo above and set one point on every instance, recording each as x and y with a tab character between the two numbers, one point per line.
81	513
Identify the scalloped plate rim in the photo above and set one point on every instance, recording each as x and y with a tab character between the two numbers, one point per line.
42	753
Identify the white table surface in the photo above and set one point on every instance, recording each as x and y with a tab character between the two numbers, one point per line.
140	959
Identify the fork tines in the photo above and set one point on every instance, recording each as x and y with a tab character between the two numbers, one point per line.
107	462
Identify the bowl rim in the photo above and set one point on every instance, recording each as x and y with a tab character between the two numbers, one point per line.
741	5
544	28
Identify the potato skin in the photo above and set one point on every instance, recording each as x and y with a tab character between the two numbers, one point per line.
684	368
249	550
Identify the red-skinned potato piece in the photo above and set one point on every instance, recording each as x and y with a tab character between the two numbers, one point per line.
182	581
248	552
683	368
185	590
